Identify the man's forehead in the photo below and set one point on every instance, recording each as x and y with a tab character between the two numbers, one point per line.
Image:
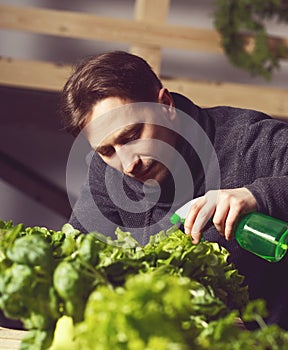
102	126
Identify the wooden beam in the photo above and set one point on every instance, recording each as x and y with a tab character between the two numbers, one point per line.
11	338
150	11
48	76
87	26
33	74
272	101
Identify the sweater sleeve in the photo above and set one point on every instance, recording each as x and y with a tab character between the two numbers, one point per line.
265	153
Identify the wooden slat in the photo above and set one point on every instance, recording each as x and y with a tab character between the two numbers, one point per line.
47	76
10	339
33	74
87	26
154	12
272	101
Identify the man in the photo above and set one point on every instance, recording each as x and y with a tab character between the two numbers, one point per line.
156	150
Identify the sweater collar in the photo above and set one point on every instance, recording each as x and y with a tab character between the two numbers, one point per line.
194	144
199	115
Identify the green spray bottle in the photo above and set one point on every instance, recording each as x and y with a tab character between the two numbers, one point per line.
260	234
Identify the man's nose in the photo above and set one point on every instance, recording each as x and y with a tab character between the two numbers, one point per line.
128	158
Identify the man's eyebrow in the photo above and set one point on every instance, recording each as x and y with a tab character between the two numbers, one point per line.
101	148
128	129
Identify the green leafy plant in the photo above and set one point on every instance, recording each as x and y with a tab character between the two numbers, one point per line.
241	24
85	291
154	310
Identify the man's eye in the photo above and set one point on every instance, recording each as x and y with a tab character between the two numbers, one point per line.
106	151
134	135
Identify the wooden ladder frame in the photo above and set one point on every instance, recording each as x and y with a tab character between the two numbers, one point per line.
147	34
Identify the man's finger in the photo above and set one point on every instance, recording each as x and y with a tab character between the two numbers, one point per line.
204	215
230	222
193	212
220	217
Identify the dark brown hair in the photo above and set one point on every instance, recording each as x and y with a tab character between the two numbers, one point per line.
114	74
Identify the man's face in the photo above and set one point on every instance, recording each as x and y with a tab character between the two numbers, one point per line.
129	139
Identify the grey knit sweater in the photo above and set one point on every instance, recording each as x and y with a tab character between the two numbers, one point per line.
251	150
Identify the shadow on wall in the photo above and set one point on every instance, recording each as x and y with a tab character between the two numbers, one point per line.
31	135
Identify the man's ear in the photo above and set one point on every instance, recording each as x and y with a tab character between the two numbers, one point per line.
165	97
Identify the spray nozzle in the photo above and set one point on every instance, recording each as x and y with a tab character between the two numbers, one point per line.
175	219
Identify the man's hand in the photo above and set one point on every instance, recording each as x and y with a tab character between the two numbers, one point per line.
224	206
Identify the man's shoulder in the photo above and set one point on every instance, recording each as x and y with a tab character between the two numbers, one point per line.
236	114
223	114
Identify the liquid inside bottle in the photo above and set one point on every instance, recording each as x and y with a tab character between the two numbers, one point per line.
263	235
